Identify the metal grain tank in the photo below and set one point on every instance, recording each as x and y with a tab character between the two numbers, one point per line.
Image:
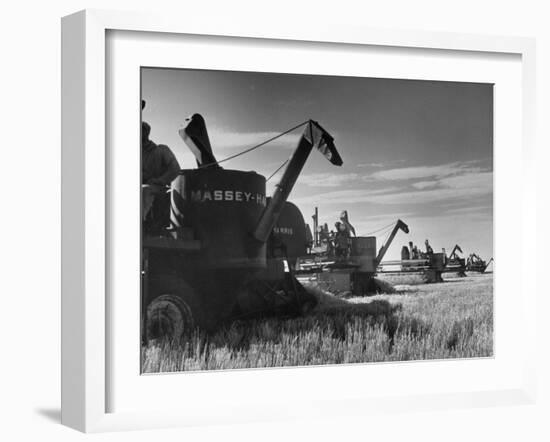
222	207
437	261
363	253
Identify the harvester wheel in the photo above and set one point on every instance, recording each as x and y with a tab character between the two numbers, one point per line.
172	314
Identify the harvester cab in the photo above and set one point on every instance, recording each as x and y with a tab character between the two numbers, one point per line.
215	266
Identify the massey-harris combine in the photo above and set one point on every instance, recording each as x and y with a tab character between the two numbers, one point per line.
224	258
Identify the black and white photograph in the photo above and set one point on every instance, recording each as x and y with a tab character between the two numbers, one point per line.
307	220
281	221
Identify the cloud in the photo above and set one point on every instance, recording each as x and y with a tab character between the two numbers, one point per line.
418	172
470	209
388	163
449	182
424	184
376	165
328	179
480	179
349	196
461	187
448	189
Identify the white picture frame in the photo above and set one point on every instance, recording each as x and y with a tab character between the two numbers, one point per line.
86	356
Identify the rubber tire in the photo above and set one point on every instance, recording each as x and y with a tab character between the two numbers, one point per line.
173	313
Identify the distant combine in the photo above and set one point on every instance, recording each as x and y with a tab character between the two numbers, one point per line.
357	267
341	262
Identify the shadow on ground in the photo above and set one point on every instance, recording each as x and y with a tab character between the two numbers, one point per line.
51	414
332	315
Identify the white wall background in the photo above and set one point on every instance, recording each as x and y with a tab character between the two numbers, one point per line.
30	220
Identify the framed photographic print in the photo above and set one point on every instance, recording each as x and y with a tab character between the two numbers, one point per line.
314	215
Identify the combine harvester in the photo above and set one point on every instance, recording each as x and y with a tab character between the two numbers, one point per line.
460	265
428	267
455	263
223	258
363	271
354	273
476	264
431	267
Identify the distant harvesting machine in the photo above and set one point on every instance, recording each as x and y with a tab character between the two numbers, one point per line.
475	264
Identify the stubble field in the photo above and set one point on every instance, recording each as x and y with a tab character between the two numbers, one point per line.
453	319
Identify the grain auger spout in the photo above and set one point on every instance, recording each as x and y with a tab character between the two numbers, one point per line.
398	225
314	136
453	254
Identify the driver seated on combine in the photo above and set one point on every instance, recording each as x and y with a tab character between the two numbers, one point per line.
405	253
159	167
324	239
429	250
332	239
341	241
344	219
414	252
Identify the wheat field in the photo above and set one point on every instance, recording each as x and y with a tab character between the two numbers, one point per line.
453	319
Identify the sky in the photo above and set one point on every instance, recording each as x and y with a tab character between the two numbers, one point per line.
417	150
